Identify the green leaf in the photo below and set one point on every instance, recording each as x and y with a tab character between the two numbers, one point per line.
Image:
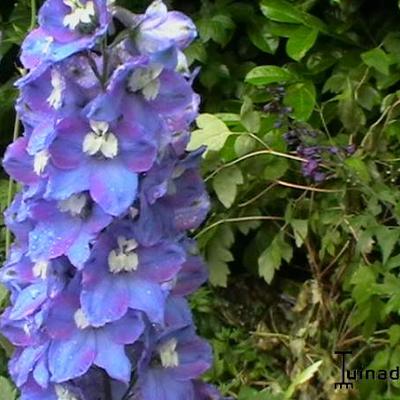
378	59
394	335
196	51
351	115
302	40
387	239
6	345
218	255
281	11
212	133
300	229
301	97
301	378
276	167
261	37
358	167
244	144
250	119
368	97
218	28
225	185
7	390
271	258
264	75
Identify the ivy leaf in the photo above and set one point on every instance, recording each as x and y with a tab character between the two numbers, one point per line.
225	185
271	258
301	97
212	133
218	255
264	75
303	39
378	59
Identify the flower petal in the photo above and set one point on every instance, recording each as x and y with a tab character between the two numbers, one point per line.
113	186
71	358
112	358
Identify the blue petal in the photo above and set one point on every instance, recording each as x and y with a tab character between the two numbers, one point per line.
71	358
113	187
156	384
147	297
29	300
104	297
112	357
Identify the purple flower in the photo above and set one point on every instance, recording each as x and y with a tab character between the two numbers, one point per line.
161	30
76	345
173	198
102	158
66	27
101	259
175	361
123	274
66	227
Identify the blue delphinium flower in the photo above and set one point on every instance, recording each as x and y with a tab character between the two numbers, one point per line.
101	260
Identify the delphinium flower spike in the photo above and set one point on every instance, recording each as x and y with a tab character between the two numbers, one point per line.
102	261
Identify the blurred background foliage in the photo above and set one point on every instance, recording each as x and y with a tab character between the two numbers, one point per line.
301	115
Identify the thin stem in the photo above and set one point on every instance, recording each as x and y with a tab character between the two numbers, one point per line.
33	15
239	219
11	185
310	188
250	155
256	197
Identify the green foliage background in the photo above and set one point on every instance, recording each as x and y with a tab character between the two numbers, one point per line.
298	269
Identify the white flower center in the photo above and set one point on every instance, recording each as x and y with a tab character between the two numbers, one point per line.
146	80
74	204
80	319
40	161
41	269
168	354
58	83
100	140
80	13
63	393
124	259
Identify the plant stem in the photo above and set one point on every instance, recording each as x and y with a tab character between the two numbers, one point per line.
33	15
240	219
